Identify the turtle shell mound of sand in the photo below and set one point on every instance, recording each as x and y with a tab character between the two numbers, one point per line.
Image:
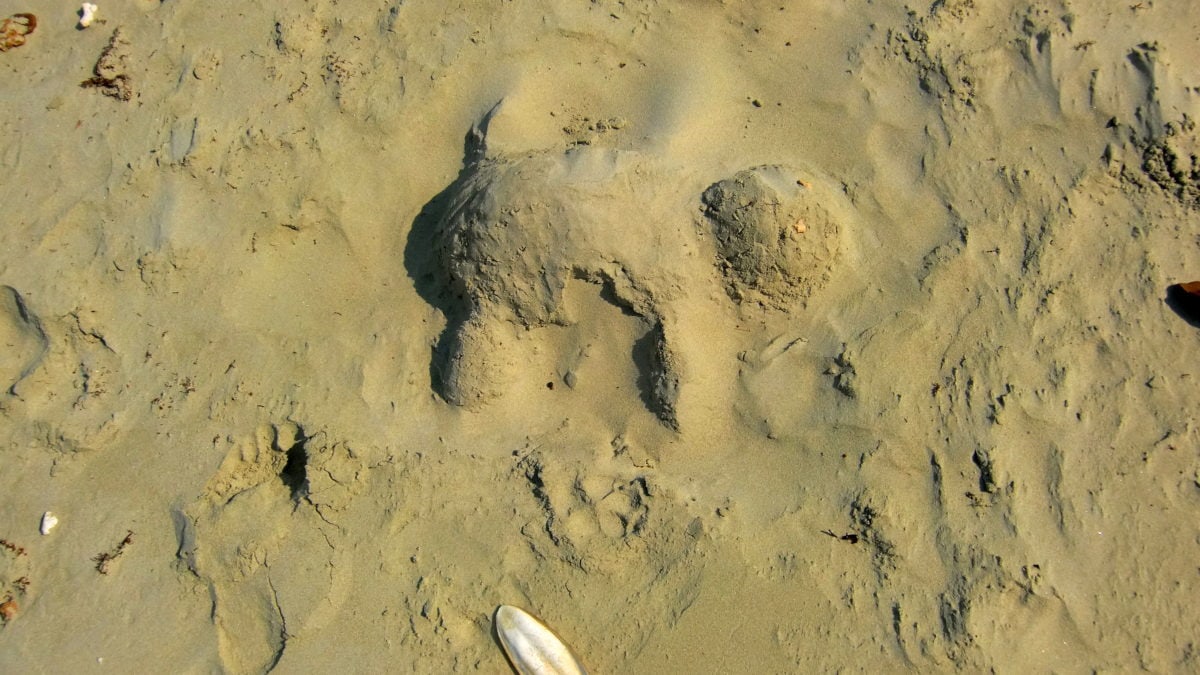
776	240
511	238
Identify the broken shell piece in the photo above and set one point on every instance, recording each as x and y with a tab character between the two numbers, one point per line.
49	520
8	610
532	648
87	14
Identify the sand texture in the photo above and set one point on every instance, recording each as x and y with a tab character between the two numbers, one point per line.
725	337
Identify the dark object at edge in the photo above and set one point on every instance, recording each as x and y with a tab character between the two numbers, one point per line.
1184	300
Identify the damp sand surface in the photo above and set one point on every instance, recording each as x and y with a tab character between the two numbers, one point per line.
722	336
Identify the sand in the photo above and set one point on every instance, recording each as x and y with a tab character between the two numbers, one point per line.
724	336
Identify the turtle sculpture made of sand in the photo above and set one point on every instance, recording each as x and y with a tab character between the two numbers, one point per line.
513	229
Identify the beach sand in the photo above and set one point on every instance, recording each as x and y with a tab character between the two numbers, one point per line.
723	336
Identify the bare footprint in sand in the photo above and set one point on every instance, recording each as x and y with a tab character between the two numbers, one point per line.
251	537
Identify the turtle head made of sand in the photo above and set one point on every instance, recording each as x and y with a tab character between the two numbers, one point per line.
513	230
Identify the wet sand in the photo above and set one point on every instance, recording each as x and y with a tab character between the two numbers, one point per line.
725	337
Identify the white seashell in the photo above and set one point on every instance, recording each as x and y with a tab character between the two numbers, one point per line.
532	648
49	520
87	14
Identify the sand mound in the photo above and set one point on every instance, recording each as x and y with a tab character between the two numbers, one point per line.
517	229
775	239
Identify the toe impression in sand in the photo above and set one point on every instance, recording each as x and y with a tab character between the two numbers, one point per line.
532	648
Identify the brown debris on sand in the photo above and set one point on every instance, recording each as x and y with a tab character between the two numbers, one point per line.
104	560
15	29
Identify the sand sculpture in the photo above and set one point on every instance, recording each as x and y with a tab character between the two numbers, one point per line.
515	229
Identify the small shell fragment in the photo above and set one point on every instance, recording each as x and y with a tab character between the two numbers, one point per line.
8	610
49	520
532	648
87	14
